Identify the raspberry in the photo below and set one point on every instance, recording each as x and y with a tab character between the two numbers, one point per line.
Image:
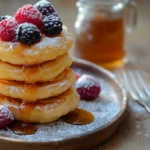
88	87
45	7
7	29
29	14
52	25
4	17
28	33
5	117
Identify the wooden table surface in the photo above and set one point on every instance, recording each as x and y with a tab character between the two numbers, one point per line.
134	132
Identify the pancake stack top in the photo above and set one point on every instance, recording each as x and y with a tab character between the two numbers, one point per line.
36	83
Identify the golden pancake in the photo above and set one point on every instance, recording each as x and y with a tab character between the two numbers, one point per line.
33	92
42	111
47	49
38	73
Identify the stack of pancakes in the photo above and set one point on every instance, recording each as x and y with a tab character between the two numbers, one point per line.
36	83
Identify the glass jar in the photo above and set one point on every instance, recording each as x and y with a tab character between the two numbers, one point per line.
100	30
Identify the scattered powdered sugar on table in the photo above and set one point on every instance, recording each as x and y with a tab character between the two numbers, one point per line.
104	109
143	124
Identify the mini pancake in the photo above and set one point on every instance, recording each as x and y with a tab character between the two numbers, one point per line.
38	73
33	92
48	48
42	111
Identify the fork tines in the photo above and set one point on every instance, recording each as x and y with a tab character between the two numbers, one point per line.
137	87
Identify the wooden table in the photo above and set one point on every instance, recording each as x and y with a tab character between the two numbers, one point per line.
134	133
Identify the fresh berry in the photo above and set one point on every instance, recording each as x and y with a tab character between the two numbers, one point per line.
8	29
45	7
4	17
77	75
29	14
88	87
5	117
52	25
28	33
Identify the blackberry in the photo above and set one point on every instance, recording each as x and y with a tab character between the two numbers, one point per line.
45	7
4	17
28	33
52	25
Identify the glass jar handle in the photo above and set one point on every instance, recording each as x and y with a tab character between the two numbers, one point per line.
130	16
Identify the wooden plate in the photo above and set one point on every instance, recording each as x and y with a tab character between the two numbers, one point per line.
108	110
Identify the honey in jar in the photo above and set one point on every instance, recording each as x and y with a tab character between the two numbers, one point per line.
100	32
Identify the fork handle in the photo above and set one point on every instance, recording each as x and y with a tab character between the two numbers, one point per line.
144	105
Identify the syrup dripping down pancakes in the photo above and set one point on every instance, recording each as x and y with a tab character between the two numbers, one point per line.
43	72
40	93
36	83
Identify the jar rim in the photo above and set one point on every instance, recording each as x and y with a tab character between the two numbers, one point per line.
105	5
104	2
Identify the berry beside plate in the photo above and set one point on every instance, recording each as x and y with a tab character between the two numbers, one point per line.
88	87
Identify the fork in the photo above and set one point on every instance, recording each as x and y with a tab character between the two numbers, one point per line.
137	87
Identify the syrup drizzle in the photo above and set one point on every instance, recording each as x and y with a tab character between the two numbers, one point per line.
20	128
79	117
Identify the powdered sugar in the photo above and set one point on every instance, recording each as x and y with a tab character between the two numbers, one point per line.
143	124
59	130
104	109
25	28
51	43
45	7
7	29
29	14
42	3
88	87
141	119
5	117
4	112
48	41
28	33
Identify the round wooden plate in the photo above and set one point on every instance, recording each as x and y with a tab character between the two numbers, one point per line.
108	110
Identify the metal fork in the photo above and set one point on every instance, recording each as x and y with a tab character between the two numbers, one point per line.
137	87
